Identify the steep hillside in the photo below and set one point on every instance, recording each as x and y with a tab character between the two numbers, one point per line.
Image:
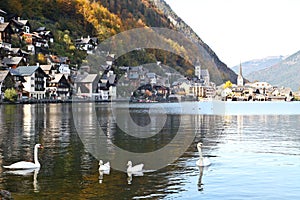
210	57
286	73
71	19
257	64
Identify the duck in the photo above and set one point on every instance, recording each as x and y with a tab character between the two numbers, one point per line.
25	164
136	168
202	161
104	167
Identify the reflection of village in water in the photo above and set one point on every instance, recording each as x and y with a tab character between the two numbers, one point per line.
67	163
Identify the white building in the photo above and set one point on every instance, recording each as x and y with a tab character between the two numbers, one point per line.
240	78
35	85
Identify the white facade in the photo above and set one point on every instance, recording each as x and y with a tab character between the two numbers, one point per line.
30	86
240	78
64	69
198	71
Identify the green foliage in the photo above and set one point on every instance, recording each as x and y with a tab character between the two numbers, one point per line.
8	83
69	20
10	95
136	13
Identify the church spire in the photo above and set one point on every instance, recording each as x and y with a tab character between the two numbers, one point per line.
240	71
240	79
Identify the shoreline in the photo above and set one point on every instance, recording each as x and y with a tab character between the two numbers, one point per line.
220	107
214	107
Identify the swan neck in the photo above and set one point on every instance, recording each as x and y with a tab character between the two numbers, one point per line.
200	152
36	161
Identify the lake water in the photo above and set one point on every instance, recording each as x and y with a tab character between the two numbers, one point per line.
253	156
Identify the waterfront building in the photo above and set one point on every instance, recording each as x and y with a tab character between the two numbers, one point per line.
58	87
35	85
6	81
86	85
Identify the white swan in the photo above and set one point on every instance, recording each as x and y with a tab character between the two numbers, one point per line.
104	167
25	164
203	161
136	168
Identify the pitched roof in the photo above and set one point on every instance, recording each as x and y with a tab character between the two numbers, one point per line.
57	78
86	78
27	70
42	28
22	21
17	23
64	59
2	12
54	58
15	50
87	40
14	72
3	74
12	60
3	26
46	67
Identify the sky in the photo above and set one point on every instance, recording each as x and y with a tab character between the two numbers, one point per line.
242	30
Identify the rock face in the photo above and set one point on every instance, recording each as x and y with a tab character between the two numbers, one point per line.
210	58
105	18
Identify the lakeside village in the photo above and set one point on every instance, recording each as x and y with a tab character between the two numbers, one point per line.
57	81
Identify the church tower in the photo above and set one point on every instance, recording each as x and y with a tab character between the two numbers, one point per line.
198	69
240	78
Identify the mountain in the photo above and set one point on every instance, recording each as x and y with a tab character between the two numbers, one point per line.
283	74
257	64
72	19
224	72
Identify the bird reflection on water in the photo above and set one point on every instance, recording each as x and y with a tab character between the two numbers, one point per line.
27	172
130	174
200	184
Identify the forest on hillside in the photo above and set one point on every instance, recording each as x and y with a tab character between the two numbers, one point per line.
72	19
69	20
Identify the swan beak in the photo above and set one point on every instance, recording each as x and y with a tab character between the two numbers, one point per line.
41	147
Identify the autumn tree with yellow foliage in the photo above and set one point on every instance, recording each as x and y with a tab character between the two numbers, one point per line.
228	84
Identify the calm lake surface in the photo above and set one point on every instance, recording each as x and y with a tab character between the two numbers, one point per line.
253	156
